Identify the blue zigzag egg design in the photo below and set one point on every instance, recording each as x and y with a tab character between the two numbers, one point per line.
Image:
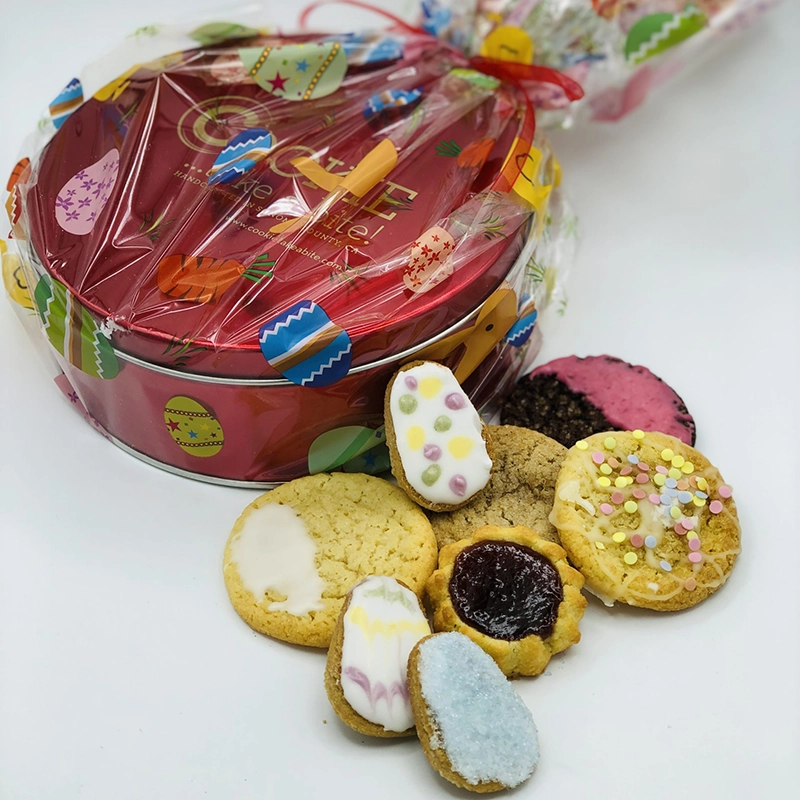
241	154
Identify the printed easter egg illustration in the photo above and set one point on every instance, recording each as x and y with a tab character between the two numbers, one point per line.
473	156
306	346
370	48
14	211
72	331
202	279
68	99
335	448
85	194
193	427
390	99
656	33
522	329
215	32
430	260
241	154
14	279
508	43
18	173
297	71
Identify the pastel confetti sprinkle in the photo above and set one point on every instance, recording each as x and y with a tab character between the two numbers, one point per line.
695	558
642	478
685	497
671	491
612	462
687	468
631	506
626	471
683	485
691	536
675	512
606	508
605	469
666	500
408	404
637	434
715	506
599	545
690	584
725	491
666	566
678	461
582	445
636	540
679	529
654	498
609	443
598	457
659	479
604	482
619	537
670	482
698	501
639	494
674	473
442	424
694	544
411	382
633	459
630	558
617	498
643	467
702	483
650	542
702	495
620	483
661	469
689	523
667	454
455	401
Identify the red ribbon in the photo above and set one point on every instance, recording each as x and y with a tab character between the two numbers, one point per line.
514	73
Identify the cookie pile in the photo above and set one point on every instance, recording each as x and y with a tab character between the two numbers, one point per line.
427	613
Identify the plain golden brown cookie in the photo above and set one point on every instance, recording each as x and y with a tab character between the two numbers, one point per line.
365	674
647	519
295	552
520	491
475	730
512	593
438	447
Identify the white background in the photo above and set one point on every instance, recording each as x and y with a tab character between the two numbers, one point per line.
125	673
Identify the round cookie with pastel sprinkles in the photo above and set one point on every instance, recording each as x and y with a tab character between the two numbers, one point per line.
438	446
647	519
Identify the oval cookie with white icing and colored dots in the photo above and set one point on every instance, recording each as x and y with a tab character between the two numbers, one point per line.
647	519
436	439
295	552
365	676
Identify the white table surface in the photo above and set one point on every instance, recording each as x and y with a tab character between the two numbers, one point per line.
124	671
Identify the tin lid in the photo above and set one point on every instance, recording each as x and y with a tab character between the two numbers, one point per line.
285	208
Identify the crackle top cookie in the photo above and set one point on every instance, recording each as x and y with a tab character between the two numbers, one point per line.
647	519
435	437
295	552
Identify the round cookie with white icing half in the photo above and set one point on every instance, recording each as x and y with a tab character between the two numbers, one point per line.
437	443
647	519
475	730
365	675
295	552
511	592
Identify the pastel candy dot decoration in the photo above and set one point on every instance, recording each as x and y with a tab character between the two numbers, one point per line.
476	731
436	443
65	102
241	154
297	71
366	672
656	33
85	194
193	427
305	346
643	552
430	260
72	331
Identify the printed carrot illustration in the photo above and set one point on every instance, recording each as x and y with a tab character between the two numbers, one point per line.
203	279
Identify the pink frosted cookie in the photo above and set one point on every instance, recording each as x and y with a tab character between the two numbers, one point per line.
571	398
437	442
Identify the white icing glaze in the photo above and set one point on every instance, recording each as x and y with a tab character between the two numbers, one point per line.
275	552
458	452
382	623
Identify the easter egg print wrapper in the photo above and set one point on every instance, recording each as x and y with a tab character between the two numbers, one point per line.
337	447
435	436
67	100
241	154
193	427
647	519
656	33
84	196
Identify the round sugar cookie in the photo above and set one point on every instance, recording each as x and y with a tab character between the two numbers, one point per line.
295	552
520	491
437	442
512	593
647	519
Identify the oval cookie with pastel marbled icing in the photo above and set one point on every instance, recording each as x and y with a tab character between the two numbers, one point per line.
436	439
365	676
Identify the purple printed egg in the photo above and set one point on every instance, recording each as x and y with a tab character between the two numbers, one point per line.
84	195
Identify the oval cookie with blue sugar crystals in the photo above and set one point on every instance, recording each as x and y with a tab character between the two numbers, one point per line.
306	346
241	154
476	731
437	442
67	100
365	674
72	331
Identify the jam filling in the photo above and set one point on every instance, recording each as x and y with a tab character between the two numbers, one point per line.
506	590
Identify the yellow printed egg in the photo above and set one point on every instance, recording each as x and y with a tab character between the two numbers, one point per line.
193	427
508	43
